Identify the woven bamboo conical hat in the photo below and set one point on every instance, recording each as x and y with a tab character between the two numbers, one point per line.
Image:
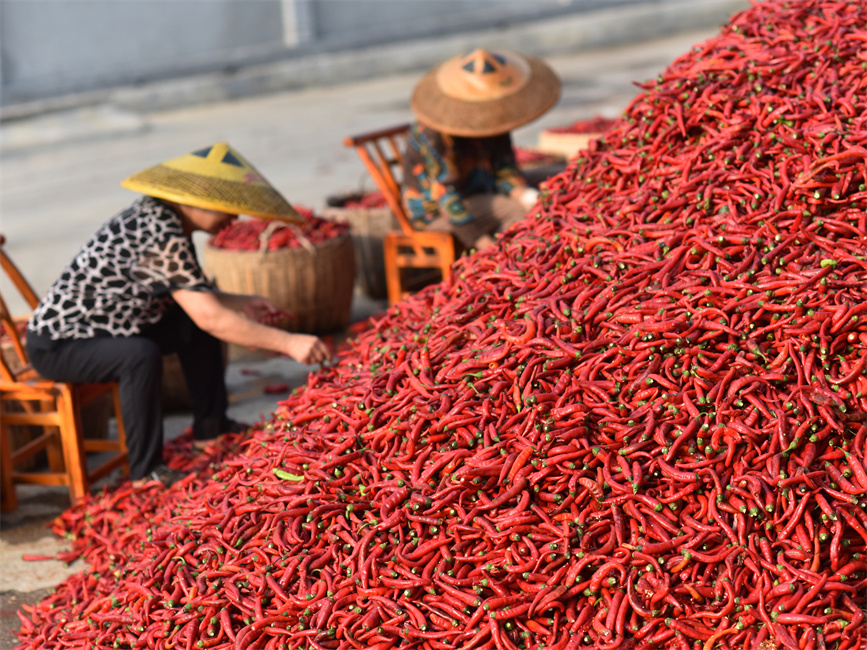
485	93
214	178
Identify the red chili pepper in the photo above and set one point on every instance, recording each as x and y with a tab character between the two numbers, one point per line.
248	234
654	381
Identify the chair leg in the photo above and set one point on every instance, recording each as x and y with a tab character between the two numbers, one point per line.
447	258
393	281
121	430
54	451
55	447
73	444
8	498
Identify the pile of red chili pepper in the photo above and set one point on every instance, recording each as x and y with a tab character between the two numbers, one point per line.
638	422
596	124
258	234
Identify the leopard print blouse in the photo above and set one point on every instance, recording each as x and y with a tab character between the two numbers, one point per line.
120	281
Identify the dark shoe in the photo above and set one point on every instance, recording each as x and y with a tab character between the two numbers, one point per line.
165	475
229	427
233	426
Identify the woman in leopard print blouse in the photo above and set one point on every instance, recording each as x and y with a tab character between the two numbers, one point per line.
136	291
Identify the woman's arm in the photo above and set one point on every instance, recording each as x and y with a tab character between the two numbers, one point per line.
208	311
234	301
256	308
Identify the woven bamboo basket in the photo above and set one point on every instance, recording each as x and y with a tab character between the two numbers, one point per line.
368	227
313	282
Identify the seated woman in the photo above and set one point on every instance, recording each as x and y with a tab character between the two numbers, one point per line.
136	291
459	170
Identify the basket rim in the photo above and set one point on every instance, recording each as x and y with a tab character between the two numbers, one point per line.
331	241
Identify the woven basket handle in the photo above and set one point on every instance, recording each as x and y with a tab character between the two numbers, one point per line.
306	243
269	230
265	236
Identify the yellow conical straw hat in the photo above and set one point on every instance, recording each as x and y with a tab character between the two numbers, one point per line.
214	178
485	93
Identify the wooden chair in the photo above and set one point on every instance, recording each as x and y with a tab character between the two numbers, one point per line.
54	409
407	249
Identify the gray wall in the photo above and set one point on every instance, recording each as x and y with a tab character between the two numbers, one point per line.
361	22
51	48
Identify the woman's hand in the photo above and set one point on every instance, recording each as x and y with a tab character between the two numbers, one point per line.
526	196
483	242
307	348
240	322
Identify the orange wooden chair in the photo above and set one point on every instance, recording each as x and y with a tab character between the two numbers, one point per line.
407	249
54	408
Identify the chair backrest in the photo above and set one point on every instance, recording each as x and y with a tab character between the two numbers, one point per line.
18	280
11	368
382	154
11	342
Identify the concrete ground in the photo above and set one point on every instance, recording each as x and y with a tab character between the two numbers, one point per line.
60	181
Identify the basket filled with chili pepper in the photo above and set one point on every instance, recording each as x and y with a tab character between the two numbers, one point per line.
306	270
370	219
638	422
568	140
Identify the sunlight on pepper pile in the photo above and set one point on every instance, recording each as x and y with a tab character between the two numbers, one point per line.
638	422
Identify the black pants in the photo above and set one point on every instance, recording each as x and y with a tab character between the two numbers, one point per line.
136	363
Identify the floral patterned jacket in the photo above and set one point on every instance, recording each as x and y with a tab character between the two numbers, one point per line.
440	170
